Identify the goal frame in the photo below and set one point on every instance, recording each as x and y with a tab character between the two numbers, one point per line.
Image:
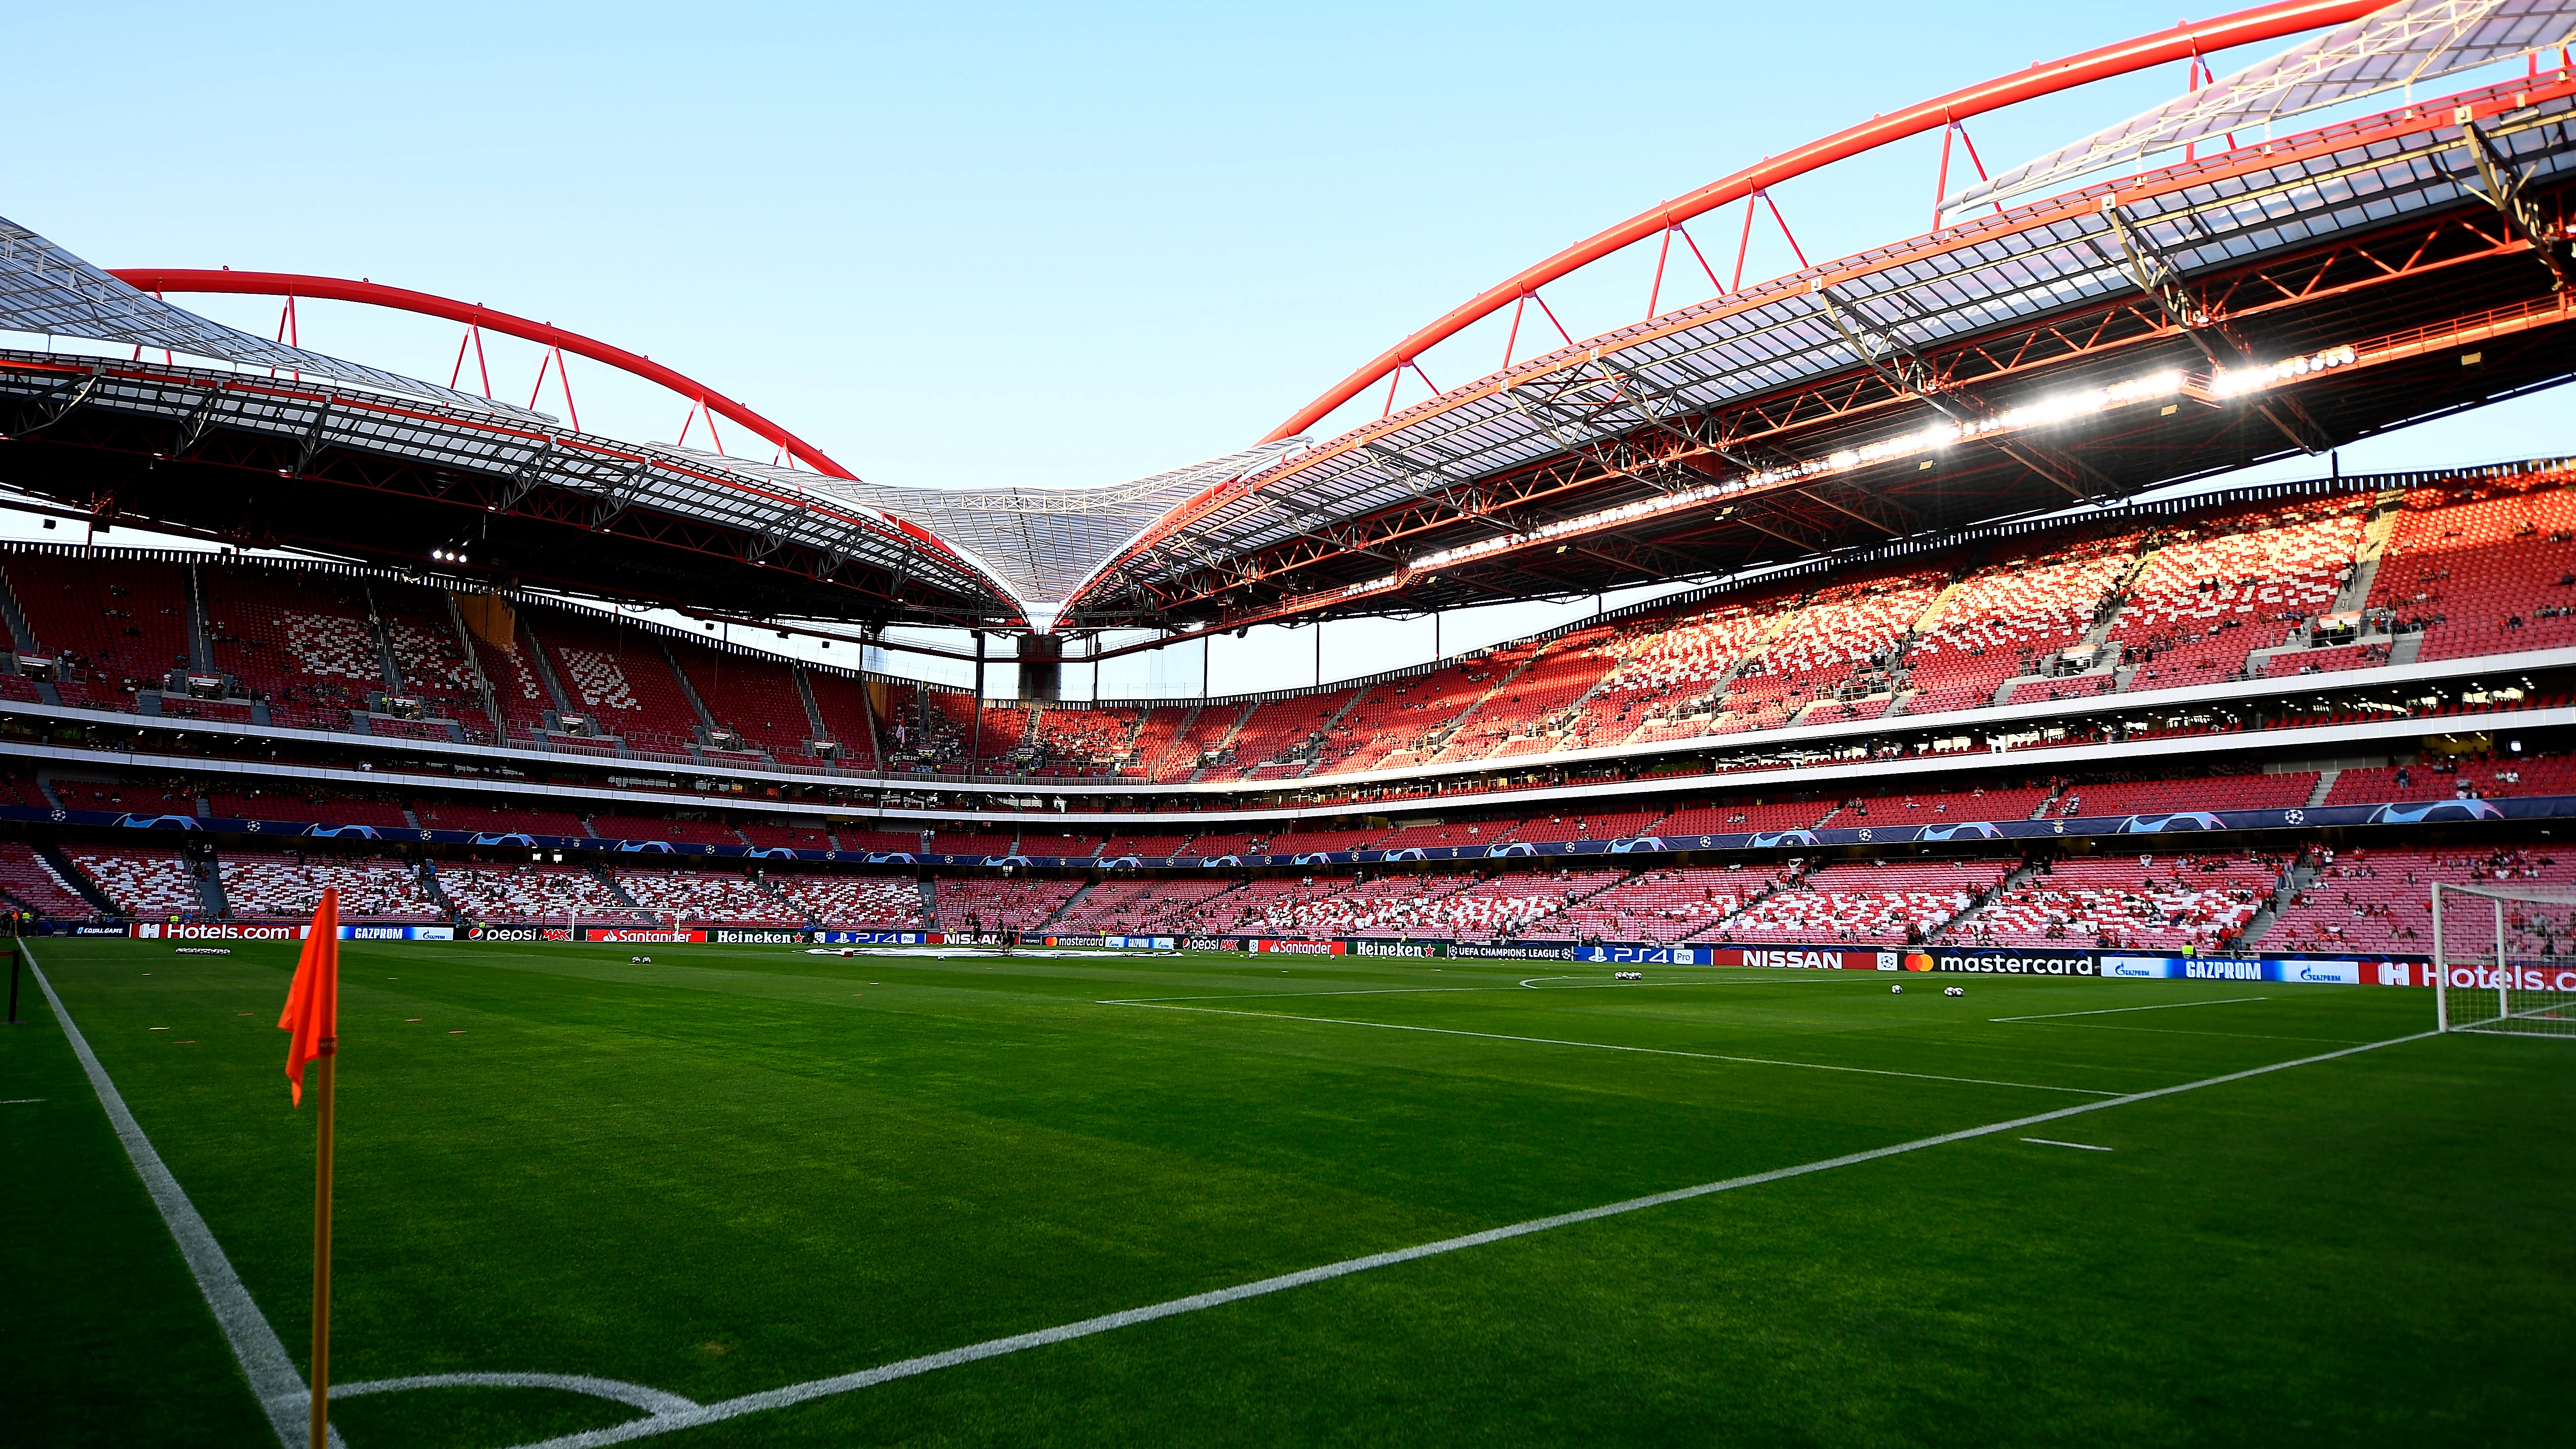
2494	898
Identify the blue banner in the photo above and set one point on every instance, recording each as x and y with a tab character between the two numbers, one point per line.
2162	823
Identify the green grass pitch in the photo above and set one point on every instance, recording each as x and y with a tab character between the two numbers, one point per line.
737	1169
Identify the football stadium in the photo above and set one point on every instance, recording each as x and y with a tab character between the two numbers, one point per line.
2013	899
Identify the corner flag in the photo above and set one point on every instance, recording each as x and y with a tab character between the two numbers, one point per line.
313	1014
313	1002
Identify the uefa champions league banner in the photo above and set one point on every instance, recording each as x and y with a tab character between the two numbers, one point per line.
1893	832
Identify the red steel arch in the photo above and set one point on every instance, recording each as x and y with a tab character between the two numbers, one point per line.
2181	43
474	314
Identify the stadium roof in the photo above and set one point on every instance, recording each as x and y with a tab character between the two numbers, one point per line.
300	463
1822	407
2391	49
46	291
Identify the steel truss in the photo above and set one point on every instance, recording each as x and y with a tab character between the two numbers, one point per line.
2199	267
140	426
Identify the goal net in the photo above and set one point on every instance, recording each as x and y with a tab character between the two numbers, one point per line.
2504	960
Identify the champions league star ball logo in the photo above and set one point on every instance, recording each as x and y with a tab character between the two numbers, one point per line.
1917	961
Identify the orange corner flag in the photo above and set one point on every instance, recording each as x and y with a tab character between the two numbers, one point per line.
313	1002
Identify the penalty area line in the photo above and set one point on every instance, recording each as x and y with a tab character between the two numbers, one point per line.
1602	1046
813	1389
2116	1010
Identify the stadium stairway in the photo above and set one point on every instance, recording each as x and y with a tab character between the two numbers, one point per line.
2115	600
376	629
1318	747
1450	731
1580	898
929	898
609	883
1898	670
814	712
474	662
2325	787
1152	769
73	876
1225	741
760	882
427	875
1060	912
545	670
697	706
201	651
1965	919
1724	685
22	640
2297	878
1717	928
1566	718
210	883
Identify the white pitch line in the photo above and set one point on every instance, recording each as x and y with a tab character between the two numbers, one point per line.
2053	1142
2116	1010
651	1401
1599	1046
273	1379
1404	991
21	1101
995	1348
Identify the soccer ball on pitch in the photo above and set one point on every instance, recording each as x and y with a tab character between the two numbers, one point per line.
1892	991
1954	991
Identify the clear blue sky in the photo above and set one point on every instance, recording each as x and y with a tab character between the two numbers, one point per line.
956	245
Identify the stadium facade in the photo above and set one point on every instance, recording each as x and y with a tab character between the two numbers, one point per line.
1970	620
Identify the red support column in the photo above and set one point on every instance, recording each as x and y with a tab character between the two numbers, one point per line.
1655	293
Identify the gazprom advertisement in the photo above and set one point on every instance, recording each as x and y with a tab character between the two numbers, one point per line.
2350	972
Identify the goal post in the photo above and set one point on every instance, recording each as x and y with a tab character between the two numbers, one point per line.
2504	960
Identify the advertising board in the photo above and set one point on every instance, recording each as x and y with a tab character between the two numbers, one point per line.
2293	970
236	931
1512	951
653	936
876	938
1803	958
1638	955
